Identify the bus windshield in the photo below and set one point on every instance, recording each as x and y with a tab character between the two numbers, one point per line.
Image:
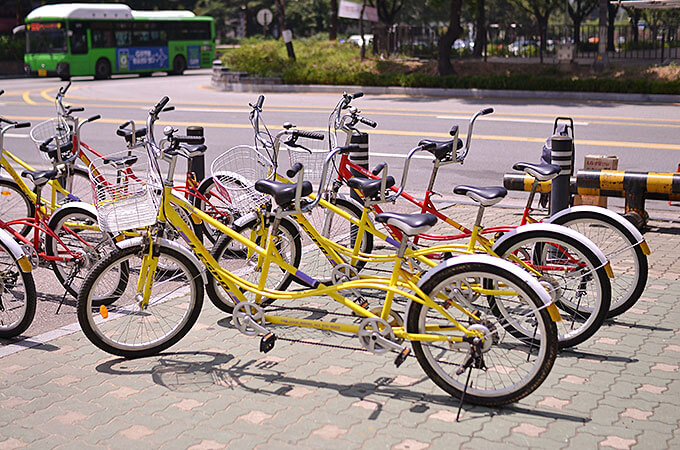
47	37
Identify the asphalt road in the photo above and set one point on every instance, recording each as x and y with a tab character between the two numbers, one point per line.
642	135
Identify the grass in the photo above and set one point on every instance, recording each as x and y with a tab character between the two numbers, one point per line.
320	61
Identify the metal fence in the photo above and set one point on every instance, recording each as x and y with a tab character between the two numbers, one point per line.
653	43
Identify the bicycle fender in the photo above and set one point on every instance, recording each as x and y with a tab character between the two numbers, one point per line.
76	206
12	245
168	243
555	229
205	180
603	211
485	259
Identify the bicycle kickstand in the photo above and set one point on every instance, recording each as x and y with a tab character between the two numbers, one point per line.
69	280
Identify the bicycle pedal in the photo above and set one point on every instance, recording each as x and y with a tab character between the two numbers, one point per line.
267	342
401	357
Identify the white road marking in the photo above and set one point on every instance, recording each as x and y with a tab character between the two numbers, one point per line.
507	119
21	136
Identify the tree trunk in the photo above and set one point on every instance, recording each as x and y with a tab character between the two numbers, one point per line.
480	26
361	30
611	18
577	32
333	32
543	32
448	38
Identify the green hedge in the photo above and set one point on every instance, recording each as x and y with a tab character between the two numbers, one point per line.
325	62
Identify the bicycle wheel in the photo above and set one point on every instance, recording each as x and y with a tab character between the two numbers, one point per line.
81	188
14	204
209	200
510	366
17	296
573	275
127	329
77	229
626	258
233	256
337	229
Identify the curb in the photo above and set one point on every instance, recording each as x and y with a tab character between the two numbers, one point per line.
437	92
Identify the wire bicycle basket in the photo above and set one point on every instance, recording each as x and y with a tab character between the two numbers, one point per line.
57	128
126	196
235	173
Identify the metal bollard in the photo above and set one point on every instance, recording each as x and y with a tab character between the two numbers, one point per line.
197	163
360	158
561	154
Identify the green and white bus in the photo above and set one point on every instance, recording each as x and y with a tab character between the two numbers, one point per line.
79	39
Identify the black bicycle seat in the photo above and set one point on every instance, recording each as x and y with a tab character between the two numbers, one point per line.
409	224
283	193
40	177
485	196
369	187
542	172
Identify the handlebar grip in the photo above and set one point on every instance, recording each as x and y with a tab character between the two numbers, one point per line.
379	168
2	91
93	118
23	125
294	170
169	108
160	105
125	125
260	102
349	148
356	95
191	140
368	122
68	85
454	130
78	109
487	111
310	134
46	142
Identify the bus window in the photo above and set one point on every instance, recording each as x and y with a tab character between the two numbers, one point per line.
102	34
78	38
122	34
146	34
45	37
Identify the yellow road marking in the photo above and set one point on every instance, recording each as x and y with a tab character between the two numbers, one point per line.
26	95
487	137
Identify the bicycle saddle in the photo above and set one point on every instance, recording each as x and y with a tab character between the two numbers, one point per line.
51	149
194	150
40	177
127	134
369	187
542	172
441	150
283	193
485	196
409	224
120	162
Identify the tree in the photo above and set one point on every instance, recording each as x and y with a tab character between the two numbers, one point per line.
480	28
579	10
447	39
541	10
612	10
388	10
333	31
282	22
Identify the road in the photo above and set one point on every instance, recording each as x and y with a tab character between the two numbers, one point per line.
642	135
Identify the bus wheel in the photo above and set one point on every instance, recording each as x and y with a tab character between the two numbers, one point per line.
102	70
179	65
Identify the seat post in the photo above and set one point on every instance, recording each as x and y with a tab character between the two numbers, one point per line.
480	214
403	246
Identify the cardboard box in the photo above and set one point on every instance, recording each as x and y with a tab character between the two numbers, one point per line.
596	162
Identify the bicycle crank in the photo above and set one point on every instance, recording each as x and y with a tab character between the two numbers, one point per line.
249	319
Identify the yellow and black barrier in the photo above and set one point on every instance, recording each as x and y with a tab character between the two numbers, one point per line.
635	187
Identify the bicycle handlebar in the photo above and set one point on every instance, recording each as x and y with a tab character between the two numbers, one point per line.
290	173
308	134
22	125
160	105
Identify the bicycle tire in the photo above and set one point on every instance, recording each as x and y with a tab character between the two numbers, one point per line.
174	307
15	204
515	365
91	250
621	249
580	321
17	296
221	211
232	256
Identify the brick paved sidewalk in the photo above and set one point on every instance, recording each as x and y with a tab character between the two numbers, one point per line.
214	389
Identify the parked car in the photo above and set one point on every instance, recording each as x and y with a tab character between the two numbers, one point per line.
356	39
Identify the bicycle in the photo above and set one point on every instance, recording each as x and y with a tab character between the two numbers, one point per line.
622	243
68	239
576	274
520	334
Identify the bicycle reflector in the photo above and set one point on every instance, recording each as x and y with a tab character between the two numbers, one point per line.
103	312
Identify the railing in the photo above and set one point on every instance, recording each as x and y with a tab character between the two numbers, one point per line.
656	43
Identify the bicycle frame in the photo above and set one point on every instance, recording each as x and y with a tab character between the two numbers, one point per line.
399	283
